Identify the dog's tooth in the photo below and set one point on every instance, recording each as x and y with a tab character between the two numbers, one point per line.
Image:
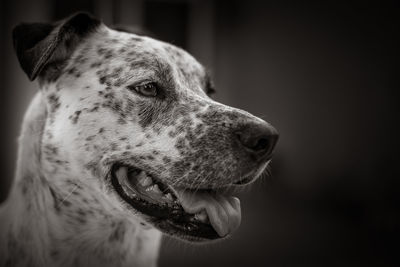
147	181
150	188
156	189
129	193
144	180
201	216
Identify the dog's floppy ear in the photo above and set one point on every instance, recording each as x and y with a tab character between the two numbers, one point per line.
44	47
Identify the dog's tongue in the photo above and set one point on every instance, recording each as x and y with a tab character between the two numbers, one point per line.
223	211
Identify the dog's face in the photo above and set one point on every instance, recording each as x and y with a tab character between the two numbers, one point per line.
130	116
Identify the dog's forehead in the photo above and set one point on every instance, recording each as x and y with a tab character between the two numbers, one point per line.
148	53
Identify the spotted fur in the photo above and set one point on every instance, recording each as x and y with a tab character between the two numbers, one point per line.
62	210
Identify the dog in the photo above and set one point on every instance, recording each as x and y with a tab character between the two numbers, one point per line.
121	144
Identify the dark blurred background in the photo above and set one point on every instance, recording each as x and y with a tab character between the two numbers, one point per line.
324	73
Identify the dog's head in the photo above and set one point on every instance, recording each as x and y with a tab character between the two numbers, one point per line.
131	116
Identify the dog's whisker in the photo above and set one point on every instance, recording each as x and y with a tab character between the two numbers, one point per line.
69	194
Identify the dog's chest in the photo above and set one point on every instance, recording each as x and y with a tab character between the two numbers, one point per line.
134	249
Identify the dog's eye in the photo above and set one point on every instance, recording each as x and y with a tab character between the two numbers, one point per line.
145	89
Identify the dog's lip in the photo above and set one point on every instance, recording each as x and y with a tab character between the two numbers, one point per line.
252	175
217	210
170	217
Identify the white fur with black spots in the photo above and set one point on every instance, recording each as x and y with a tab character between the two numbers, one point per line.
121	144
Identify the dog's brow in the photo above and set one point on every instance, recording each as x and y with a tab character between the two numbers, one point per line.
160	68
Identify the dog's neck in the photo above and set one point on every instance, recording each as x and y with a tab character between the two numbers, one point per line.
48	223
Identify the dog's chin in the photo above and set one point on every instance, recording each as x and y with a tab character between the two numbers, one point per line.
169	210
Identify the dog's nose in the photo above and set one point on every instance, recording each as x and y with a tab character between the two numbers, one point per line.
258	138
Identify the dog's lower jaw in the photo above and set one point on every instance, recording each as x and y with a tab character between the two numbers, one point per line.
35	231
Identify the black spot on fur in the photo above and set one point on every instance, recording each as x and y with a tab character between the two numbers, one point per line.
136	39
75	117
90	138
81	212
54	102
114	146
166	160
56	200
50	149
172	133
121	121
81	59
65	203
71	70
118	233
96	64
139	144
101	51
109	95
102	79
94	109
81	220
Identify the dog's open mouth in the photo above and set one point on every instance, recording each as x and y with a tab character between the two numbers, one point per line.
197	215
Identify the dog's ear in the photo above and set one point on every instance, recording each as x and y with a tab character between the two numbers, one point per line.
42	48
